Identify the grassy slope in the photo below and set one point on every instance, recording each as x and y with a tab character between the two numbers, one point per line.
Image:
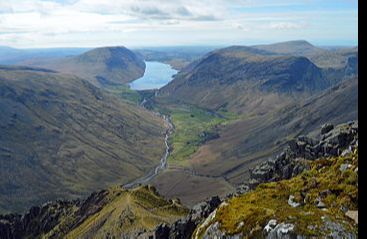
125	93
193	127
62	138
269	201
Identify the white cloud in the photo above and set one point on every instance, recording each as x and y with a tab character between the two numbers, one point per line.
40	23
286	25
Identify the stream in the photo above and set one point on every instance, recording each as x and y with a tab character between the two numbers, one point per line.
163	163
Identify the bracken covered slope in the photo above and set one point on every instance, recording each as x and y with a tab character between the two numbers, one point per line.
61	137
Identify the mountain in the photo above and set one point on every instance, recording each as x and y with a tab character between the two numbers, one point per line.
101	66
324	58
234	77
112	213
298	48
62	137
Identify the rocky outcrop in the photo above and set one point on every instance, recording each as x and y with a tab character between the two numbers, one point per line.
184	228
320	203
280	231
43	219
37	221
332	141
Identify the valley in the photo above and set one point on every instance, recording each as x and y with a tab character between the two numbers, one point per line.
79	124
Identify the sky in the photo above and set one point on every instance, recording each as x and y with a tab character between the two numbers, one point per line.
146	23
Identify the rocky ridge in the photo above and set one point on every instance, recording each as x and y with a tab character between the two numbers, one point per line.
112	213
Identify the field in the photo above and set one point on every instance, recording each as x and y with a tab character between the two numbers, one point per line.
124	92
194	127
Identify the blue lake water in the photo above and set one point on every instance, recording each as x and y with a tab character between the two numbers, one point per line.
156	75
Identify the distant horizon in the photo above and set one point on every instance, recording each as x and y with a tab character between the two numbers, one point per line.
178	46
147	23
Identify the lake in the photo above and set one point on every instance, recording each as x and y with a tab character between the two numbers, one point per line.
156	75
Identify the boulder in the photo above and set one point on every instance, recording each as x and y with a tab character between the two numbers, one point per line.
326	128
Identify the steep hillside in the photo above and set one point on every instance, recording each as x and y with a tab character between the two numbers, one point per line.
112	213
61	137
101	66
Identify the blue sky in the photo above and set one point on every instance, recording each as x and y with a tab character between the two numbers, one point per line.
136	23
